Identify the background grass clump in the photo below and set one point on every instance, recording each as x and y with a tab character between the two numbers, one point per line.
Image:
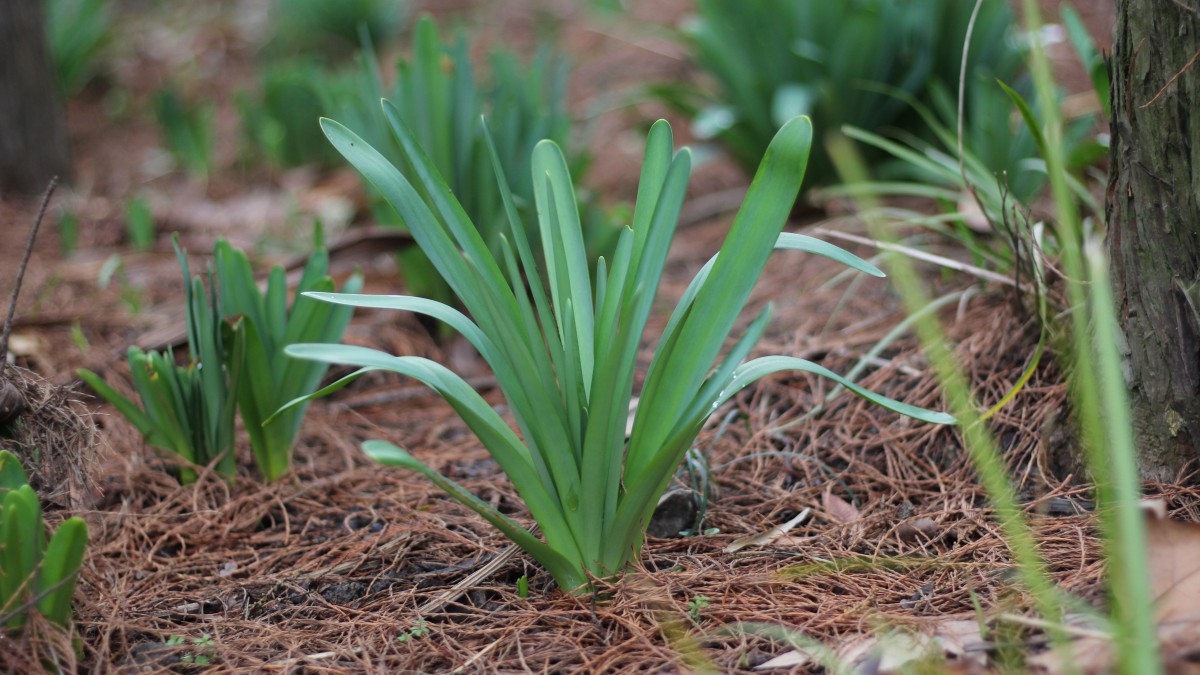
865	63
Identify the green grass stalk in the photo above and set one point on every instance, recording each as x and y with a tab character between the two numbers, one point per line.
1102	402
977	440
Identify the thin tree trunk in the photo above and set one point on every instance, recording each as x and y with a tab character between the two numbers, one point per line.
1154	224
33	129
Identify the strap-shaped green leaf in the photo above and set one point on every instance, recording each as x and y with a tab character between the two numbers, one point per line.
23	543
407	303
512	455
562	244
126	407
673	380
768	365
60	569
12	474
565	572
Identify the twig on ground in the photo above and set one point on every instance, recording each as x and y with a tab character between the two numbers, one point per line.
12	302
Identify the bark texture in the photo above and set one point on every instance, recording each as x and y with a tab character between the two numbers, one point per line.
33	129
1154	224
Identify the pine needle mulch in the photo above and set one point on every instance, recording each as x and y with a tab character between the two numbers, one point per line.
348	567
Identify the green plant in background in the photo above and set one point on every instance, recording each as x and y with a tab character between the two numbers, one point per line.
439	93
261	326
68	231
566	359
989	177
76	31
189	410
333	28
854	62
34	572
441	98
187	129
113	269
281	118
1085	47
139	223
186	409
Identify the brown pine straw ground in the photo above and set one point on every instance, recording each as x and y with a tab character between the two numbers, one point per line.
326	569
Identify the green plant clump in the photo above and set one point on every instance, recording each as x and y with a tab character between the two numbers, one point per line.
34	572
441	96
235	345
76	31
856	62
566	359
332	28
187	130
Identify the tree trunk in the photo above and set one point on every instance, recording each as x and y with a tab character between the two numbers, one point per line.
1154	225
33	128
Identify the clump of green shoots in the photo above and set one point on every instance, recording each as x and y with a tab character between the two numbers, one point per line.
565	355
236	335
77	31
35	573
187	130
859	63
441	94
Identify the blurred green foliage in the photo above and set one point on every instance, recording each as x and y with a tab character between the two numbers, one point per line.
77	30
858	62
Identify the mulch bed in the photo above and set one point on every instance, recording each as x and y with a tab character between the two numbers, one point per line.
344	566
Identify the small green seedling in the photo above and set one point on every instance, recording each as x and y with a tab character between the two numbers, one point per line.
77	31
697	605
523	586
419	630
203	656
139	224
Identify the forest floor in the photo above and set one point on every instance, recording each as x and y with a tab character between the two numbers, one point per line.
346	567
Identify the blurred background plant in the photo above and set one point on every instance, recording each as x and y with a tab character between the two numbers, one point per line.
77	31
332	29
442	97
866	63
279	119
983	164
187	130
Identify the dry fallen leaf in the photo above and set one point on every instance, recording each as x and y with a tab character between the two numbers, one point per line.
839	510
23	344
888	653
796	657
961	640
917	530
1174	558
768	536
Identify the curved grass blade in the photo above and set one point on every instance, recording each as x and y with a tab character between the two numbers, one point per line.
564	572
